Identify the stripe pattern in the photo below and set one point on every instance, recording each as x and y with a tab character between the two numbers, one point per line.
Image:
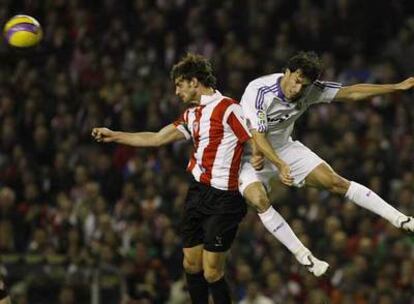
218	131
327	84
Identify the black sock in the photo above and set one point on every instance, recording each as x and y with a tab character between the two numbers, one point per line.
220	291
197	287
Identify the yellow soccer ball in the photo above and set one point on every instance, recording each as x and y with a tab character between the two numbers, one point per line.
22	31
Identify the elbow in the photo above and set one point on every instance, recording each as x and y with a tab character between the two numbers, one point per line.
157	141
356	96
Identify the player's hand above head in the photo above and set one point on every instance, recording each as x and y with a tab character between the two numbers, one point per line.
103	135
406	84
257	161
284	175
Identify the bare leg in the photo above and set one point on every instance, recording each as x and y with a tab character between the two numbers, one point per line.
213	264
324	177
193	267
256	195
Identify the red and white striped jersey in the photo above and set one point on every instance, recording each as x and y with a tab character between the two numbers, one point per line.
218	130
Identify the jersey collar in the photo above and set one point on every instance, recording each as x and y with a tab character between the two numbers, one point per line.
279	91
207	99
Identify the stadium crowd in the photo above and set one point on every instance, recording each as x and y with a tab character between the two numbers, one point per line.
80	220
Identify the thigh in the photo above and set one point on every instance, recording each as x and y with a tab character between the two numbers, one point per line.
193	258
220	231
301	159
214	260
324	177
248	175
191	228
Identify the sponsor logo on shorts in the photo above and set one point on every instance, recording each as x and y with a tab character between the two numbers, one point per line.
219	241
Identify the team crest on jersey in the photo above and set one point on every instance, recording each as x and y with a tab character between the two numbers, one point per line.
261	116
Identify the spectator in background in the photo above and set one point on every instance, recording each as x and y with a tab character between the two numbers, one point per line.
105	62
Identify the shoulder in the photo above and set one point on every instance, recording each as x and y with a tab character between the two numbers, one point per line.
227	101
263	81
225	106
323	85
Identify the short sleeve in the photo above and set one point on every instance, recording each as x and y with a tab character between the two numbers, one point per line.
254	108
325	91
181	124
237	123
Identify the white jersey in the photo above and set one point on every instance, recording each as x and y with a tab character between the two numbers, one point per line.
268	111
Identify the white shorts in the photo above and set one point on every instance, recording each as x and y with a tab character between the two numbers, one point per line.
300	159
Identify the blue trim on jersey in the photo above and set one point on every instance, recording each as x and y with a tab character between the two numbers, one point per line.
327	84
261	92
275	88
280	94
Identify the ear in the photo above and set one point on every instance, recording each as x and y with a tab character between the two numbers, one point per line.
194	82
287	72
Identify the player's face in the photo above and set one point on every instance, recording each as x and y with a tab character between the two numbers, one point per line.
295	84
185	90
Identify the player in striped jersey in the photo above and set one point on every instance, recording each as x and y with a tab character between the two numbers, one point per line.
272	104
214	207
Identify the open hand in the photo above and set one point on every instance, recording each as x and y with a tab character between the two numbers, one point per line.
103	135
406	84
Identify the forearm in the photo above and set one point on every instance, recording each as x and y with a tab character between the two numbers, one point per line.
364	91
263	146
255	149
138	139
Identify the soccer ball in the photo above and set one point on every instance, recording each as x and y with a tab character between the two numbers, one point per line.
22	31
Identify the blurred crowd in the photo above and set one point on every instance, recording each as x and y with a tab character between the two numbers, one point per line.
83	222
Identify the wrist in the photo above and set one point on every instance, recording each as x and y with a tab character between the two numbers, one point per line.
278	163
116	136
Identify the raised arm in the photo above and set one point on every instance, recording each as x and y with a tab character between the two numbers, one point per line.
165	136
364	91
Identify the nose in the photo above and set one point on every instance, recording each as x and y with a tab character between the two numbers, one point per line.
177	91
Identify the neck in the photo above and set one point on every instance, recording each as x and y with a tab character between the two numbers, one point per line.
283	84
204	91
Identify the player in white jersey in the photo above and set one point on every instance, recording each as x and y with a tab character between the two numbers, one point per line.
272	104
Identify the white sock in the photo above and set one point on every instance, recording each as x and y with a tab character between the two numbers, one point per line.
368	199
277	226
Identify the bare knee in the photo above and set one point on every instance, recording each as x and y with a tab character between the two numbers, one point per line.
338	184
192	265
213	274
256	197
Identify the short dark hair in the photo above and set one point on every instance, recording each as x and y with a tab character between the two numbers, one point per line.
194	66
308	62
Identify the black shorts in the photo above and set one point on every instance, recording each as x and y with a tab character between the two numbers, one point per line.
211	217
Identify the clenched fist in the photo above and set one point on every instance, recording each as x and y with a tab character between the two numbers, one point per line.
103	135
406	84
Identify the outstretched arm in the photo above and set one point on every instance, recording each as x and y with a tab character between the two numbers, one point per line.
364	91
165	136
